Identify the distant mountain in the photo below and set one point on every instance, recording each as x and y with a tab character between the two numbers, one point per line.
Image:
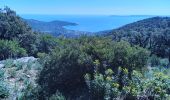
55	28
154	25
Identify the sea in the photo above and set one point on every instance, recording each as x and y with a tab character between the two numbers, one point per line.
90	23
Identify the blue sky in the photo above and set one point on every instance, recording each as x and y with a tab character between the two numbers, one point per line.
89	7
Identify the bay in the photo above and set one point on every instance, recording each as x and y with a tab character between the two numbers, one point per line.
90	23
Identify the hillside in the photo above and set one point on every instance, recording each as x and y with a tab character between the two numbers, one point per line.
151	25
56	28
152	33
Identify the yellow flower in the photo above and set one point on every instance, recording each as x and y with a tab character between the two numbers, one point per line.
115	85
125	71
96	62
108	78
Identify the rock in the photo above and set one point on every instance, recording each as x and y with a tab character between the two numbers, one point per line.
25	59
28	76
1	66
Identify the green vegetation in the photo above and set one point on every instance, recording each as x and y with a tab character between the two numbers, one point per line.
129	64
152	85
13	28
152	33
66	65
17	78
11	49
4	91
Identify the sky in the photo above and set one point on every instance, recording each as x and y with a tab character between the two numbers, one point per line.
89	7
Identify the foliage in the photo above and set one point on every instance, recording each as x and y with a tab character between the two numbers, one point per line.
1	74
18	78
12	72
57	96
14	28
69	62
102	86
154	60
4	91
9	63
47	43
11	49
152	33
152	85
30	92
64	70
164	62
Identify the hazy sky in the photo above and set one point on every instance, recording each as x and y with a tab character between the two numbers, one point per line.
90	7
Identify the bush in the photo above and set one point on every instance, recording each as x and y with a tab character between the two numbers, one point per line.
164	62
47	43
12	72
153	84
57	96
19	65
30	92
65	70
11	49
14	27
1	74
9	63
154	60
4	91
65	66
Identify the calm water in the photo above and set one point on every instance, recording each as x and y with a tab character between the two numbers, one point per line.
89	23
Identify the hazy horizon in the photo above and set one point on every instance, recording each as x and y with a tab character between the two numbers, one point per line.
96	14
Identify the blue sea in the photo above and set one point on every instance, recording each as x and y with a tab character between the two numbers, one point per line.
89	23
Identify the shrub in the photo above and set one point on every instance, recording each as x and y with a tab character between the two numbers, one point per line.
41	55
12	72
1	74
19	65
14	27
47	43
4	91
164	62
30	92
153	84
57	96
65	70
103	87
9	63
11	49
154	60
65	66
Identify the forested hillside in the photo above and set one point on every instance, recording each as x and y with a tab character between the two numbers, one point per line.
152	33
124	65
55	28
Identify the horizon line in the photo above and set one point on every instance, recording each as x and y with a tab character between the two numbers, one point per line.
97	14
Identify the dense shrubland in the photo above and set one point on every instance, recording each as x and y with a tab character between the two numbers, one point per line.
11	49
152	33
67	65
86	68
151	85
